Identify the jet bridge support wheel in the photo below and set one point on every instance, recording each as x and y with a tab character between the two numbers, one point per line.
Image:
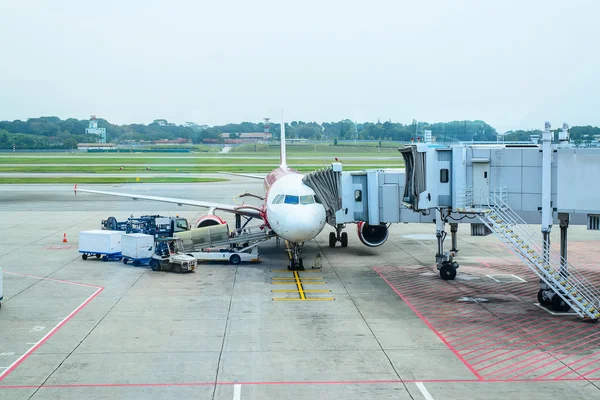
448	271
559	305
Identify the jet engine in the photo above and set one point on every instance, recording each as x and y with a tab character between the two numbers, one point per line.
209	220
372	235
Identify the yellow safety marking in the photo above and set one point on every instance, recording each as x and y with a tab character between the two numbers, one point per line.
287	279
294	283
287	270
302	296
311	299
297	291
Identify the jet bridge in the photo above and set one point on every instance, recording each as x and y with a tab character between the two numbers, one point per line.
497	188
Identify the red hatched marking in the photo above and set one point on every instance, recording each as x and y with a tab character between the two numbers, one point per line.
503	336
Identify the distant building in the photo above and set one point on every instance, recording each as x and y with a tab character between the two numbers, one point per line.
94	130
96	146
175	141
249	136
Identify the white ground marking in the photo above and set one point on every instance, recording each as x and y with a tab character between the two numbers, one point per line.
424	391
237	391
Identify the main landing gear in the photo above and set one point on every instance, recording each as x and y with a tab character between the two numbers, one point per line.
338	236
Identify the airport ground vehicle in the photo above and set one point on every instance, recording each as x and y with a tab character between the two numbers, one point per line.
170	256
228	255
156	225
101	244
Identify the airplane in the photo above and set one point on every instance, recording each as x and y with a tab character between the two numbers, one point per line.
290	208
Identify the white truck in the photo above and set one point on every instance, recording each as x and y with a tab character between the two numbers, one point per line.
100	243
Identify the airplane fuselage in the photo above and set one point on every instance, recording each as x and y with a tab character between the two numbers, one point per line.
291	208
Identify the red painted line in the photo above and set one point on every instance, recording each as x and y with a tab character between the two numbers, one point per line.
583	376
521	348
408	303
553	359
19	360
53	280
537	348
365	382
572	363
495	337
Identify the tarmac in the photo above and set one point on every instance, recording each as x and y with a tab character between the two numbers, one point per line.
375	323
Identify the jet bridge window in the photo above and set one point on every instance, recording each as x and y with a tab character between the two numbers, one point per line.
307	199
358	195
444	175
289	199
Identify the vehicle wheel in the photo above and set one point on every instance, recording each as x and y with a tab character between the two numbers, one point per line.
97	255
155	265
177	268
344	239
332	239
447	272
84	256
235	259
124	261
559	304
541	299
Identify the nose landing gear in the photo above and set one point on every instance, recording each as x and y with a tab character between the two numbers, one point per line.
296	263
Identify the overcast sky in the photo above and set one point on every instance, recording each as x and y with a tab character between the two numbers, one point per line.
513	64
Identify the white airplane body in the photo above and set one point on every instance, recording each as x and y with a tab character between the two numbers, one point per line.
290	208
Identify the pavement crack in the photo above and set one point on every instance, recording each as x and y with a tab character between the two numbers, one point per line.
224	333
364	320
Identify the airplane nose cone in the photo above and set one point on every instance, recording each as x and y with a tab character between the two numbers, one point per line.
302	227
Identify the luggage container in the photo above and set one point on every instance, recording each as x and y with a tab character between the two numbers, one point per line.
137	247
100	243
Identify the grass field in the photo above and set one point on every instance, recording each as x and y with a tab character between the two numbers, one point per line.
241	159
73	180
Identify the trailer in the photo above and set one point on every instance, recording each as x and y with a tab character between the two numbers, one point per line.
101	244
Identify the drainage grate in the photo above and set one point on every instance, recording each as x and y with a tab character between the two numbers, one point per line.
506	278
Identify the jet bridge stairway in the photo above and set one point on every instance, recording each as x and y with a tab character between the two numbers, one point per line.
560	277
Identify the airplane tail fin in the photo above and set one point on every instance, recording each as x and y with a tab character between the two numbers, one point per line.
282	154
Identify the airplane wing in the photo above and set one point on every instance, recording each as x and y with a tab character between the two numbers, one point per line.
247	210
262	178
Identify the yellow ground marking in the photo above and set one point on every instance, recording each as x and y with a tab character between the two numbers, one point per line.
305	279
311	299
287	270
300	288
299	282
297	291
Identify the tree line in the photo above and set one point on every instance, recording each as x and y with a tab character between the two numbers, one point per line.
53	132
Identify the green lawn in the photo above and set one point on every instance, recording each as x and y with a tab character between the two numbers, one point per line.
73	180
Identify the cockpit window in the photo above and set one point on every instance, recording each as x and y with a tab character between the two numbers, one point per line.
306	199
278	199
289	199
